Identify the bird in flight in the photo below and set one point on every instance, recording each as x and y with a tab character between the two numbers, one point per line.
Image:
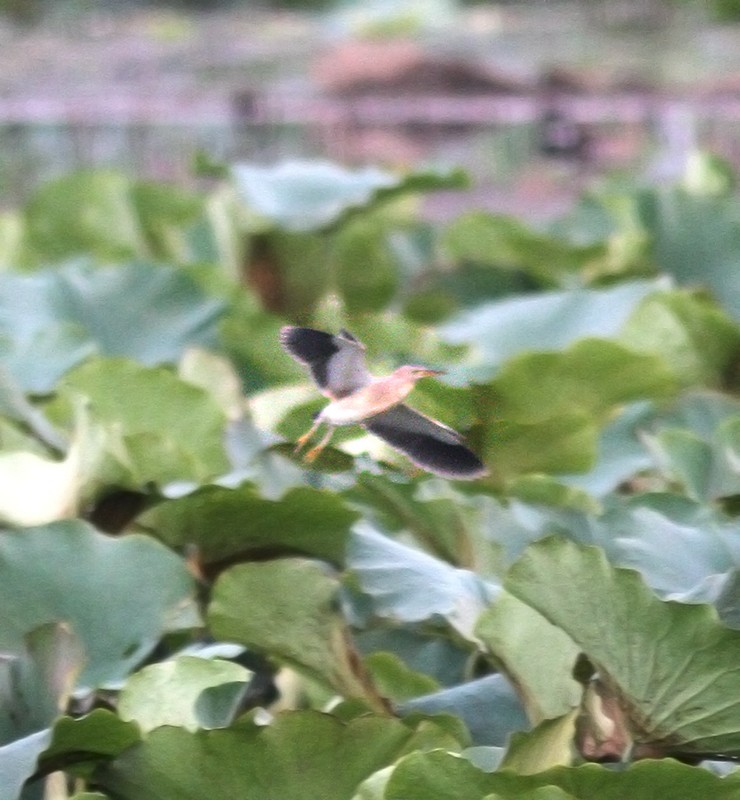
337	366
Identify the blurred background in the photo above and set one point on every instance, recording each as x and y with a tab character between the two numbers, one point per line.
534	98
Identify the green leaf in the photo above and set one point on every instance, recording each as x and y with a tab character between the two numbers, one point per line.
708	174
110	216
13	234
550	744
291	269
395	680
538	657
544	490
445	776
288	609
180	439
424	651
500	330
652	533
697	443
251	338
218	706
224	523
167	693
96	736
671	666
547	409
408	585
306	195
566	443
117	595
592	376
85	212
168	215
444	521
51	320
14	404
366	268
295	757
696	238
620	453
38	681
693	336
541	793
506	243
309	195
89	796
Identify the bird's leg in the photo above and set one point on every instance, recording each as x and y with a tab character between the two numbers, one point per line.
302	440
314	451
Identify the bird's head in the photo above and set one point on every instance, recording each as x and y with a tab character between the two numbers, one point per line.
410	373
425	372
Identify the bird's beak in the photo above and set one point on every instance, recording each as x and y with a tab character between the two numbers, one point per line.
430	373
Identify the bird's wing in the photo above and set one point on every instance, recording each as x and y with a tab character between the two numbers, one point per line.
428	443
337	362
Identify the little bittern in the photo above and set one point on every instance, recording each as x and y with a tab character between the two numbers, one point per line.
337	365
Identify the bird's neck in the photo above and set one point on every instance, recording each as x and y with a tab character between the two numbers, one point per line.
401	388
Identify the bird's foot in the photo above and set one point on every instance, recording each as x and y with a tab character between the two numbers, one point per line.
313	453
300	443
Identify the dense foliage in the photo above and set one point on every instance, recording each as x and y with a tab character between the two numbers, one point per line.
189	610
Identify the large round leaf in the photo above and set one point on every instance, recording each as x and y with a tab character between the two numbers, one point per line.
548	321
308	195
226	522
159	428
406	584
672	667
445	776
118	595
288	609
300	756
52	319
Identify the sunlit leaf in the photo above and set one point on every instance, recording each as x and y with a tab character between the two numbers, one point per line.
86	212
537	656
167	693
550	744
507	243
546	409
693	335
152	441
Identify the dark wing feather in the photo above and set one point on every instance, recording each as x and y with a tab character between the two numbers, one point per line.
337	363
428	443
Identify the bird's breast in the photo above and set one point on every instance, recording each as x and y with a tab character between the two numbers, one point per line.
364	403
